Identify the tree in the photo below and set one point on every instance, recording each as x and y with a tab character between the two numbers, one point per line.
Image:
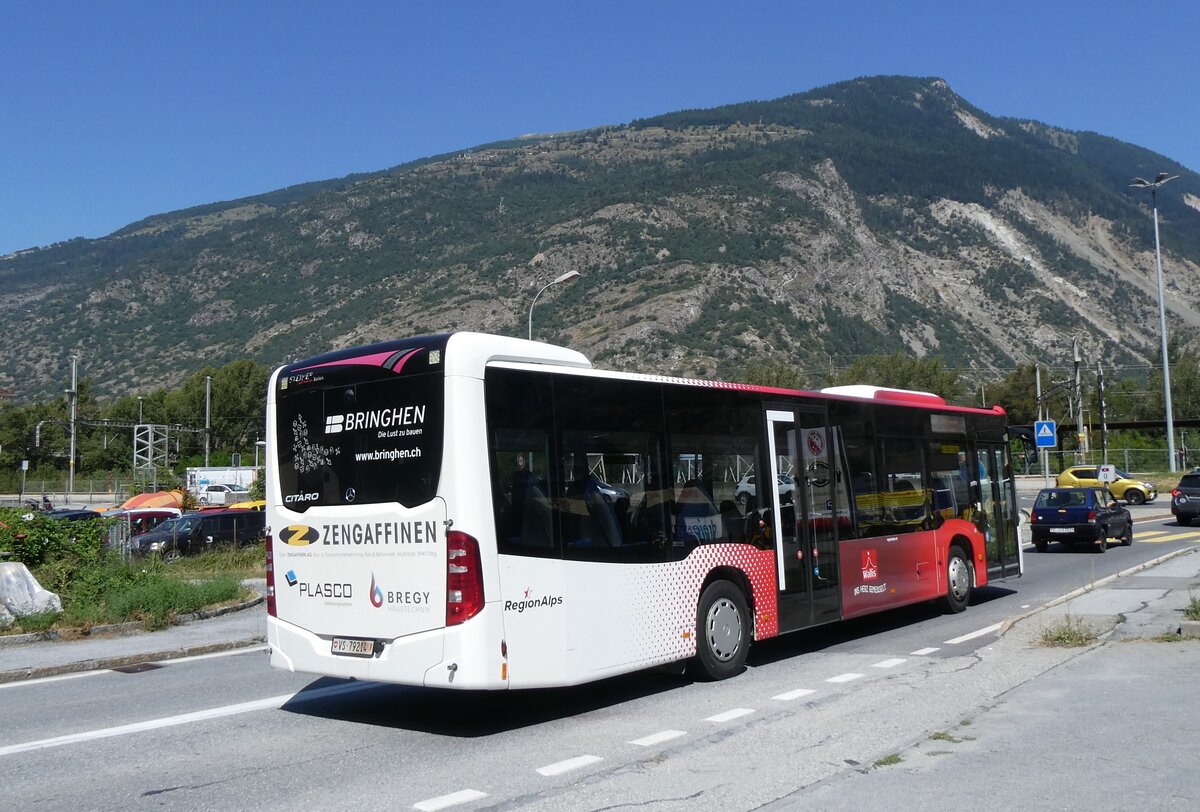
900	371
775	374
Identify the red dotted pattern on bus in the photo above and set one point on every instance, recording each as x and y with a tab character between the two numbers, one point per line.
675	598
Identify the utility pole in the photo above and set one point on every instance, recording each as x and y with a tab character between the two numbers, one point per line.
1103	416
207	416
73	394
1045	453
1080	431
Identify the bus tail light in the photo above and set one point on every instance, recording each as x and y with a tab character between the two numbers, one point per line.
464	578
270	578
1091	515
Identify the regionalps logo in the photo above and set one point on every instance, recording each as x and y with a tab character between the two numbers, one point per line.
526	602
300	535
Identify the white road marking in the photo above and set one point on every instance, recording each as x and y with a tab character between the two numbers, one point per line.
995	627
658	738
453	799
730	715
568	765
851	677
892	663
269	703
214	655
796	694
921	652
58	678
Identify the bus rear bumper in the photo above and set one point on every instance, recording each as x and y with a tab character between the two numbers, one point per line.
454	657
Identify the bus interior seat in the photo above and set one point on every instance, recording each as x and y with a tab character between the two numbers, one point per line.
537	518
602	525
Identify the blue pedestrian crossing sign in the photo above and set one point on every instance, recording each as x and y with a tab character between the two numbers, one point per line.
1045	434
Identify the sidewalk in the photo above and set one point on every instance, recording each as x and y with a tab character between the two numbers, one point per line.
22	657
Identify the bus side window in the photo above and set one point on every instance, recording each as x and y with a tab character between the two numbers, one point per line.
520	420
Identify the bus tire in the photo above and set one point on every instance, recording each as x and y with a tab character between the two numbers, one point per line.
958	581
722	632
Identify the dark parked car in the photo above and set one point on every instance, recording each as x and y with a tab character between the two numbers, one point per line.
1185	498
192	533
72	514
1079	515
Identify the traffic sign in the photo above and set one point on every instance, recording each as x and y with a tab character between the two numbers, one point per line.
1045	433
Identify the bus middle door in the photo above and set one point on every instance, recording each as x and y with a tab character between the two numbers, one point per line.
803	511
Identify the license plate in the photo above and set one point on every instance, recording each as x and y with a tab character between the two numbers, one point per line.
1062	529
351	647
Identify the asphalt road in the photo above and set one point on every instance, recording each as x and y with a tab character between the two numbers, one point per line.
804	726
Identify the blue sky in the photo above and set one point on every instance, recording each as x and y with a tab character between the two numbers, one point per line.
112	111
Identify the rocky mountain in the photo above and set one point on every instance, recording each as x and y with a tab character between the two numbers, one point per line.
870	216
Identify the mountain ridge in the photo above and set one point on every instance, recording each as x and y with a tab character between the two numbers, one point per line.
868	216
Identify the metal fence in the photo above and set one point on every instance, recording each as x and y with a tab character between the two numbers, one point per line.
87	492
1130	460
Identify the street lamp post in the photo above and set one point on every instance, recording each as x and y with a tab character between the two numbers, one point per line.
1141	183
569	275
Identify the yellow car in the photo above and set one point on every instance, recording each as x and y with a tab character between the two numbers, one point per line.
1133	491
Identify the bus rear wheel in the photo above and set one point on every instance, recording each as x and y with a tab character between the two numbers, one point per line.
723	631
958	581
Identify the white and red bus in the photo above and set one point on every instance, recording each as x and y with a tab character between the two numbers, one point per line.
475	511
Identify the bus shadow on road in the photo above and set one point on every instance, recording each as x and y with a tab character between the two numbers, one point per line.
820	638
470	714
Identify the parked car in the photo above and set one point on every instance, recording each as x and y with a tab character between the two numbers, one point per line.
143	520
1078	516
71	514
1133	491
1185	498
193	533
222	494
746	488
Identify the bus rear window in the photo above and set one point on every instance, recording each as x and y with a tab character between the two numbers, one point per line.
344	441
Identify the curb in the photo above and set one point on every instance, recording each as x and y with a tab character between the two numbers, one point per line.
1092	587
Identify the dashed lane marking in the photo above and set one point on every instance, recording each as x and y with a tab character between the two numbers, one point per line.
658	738
995	627
921	652
730	715
446	801
788	696
561	767
845	677
890	663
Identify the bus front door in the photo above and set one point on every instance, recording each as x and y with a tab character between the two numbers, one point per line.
997	520
803	509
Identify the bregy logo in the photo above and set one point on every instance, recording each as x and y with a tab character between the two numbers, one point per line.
300	535
301	497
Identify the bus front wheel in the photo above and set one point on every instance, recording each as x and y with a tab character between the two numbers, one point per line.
723	631
958	581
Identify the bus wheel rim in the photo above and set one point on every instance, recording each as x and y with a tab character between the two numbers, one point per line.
960	579
724	630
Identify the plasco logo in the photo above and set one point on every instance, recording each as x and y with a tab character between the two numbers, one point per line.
334	423
300	535
376	593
